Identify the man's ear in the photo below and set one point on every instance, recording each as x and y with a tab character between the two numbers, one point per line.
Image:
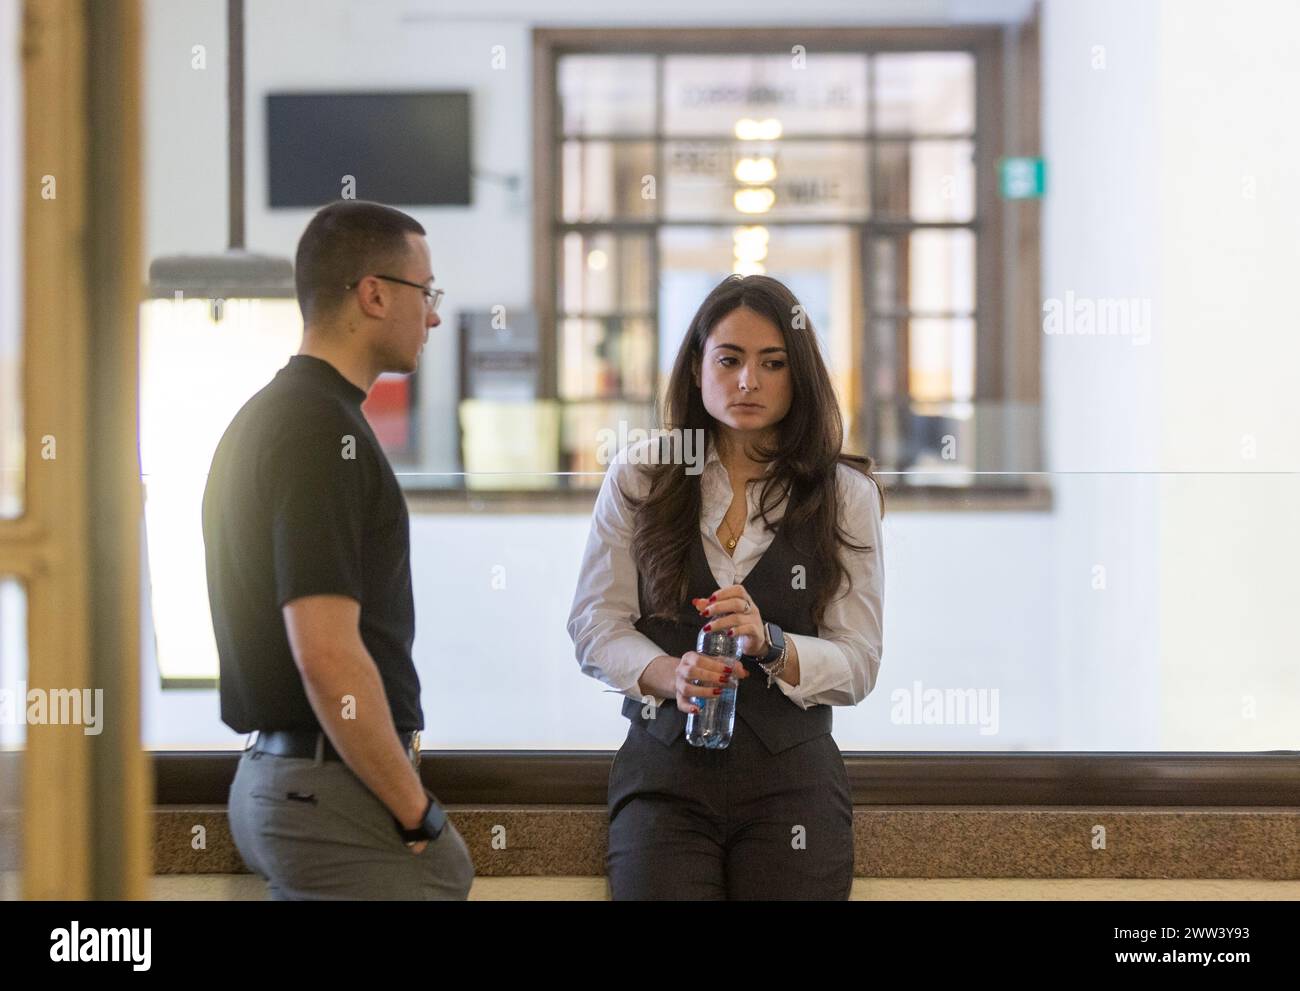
370	297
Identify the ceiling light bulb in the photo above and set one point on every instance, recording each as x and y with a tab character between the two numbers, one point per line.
755	170
757	200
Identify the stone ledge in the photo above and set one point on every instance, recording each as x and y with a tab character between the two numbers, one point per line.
889	842
246	887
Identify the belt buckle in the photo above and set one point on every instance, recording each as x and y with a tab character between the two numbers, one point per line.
414	750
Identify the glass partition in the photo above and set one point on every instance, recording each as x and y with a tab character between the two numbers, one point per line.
1063	629
13	735
11	269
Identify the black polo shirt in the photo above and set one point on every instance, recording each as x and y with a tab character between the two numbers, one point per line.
301	500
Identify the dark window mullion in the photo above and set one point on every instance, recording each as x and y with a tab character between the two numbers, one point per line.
656	259
866	400
719	138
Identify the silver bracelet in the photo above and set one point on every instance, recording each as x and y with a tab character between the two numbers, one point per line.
774	669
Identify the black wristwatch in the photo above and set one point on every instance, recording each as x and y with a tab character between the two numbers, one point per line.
431	826
777	639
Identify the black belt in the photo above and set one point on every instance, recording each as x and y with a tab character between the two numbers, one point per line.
304	743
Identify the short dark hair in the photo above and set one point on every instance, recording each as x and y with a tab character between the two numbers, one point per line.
344	242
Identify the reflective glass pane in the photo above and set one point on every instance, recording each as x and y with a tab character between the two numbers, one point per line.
1032	655
606	180
509	445
11	269
815	94
607	94
886	438
926	180
13	738
605	273
941	271
888	292
610	357
925	93
937	443
941	359
882	363
594	432
819	264
749	181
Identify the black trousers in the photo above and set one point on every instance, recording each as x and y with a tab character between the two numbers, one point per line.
688	823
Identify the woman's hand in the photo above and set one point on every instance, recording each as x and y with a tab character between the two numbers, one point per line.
699	676
733	610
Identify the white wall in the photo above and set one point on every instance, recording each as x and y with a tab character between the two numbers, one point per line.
1101	239
1230	250
185	164
978	600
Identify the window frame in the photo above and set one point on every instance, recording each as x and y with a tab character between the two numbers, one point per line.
1007	270
1219	779
75	547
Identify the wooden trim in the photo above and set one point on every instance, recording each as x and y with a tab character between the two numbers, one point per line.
86	832
467	777
911	498
545	180
121	784
694	39
1024	379
21	557
58	814
990	305
235	111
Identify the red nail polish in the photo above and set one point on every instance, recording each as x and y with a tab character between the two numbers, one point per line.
724	677
707	627
717	691
712	597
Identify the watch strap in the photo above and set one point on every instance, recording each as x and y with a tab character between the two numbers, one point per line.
777	649
430	827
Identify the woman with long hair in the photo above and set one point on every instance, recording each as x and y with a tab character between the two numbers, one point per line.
776	537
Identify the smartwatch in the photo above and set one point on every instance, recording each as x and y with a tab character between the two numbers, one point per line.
430	827
777	639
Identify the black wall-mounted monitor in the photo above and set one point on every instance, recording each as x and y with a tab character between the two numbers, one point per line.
403	149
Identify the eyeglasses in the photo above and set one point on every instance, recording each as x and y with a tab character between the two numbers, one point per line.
432	296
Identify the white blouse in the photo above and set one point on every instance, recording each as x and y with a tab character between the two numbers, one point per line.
836	667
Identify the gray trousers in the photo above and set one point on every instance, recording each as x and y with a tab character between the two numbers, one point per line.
314	831
742	823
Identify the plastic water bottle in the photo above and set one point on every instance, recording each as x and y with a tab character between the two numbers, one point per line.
711	727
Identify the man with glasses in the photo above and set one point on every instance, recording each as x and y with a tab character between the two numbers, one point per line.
309	579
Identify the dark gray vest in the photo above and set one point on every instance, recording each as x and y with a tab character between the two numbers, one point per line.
778	591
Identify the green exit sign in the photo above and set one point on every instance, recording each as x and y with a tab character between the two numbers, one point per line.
1022	178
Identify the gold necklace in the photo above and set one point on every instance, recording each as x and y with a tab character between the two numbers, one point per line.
731	543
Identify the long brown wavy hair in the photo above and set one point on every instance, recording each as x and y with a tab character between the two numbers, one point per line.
804	460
